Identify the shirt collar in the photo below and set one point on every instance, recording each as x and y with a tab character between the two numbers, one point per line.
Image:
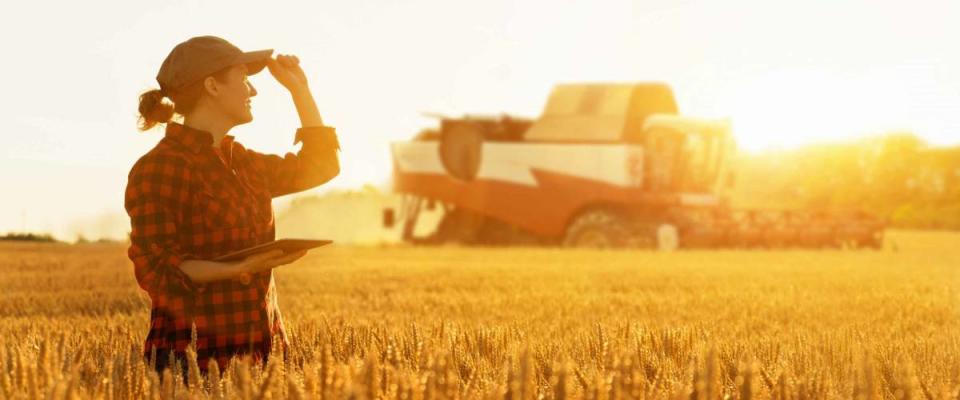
194	139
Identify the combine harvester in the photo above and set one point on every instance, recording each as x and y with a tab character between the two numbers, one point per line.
605	165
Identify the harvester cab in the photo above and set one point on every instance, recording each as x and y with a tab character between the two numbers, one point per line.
673	153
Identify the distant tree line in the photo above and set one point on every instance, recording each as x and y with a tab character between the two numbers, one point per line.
896	176
27	237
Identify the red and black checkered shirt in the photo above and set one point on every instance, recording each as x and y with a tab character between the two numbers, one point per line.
186	202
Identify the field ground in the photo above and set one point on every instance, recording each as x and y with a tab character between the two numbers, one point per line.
400	322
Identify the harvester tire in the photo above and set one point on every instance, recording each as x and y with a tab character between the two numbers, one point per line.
597	229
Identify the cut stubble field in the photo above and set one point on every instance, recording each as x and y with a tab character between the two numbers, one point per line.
405	322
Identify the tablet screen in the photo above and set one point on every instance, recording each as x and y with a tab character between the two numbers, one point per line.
286	245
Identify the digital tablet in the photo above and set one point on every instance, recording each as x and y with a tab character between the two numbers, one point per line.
287	245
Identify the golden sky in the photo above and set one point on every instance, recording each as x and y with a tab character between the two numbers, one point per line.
786	73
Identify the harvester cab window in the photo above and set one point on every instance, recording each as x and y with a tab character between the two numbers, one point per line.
680	161
696	166
665	150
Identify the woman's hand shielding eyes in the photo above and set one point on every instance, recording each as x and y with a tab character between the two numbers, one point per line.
285	68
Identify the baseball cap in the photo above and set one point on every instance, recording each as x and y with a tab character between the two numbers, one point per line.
201	56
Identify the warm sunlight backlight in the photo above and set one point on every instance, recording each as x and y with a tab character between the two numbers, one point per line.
790	108
786	74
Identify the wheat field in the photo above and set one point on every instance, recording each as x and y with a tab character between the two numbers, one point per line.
436	323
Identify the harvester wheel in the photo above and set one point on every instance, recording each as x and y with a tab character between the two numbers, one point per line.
597	229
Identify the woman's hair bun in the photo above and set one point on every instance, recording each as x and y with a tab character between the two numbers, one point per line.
153	110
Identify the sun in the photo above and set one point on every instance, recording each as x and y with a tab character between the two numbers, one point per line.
791	108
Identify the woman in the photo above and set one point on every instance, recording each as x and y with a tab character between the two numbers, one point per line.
199	194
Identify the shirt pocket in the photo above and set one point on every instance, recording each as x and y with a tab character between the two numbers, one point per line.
220	210
260	206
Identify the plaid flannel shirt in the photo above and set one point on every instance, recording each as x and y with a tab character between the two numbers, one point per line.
186	202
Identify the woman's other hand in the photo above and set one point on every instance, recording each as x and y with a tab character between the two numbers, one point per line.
266	261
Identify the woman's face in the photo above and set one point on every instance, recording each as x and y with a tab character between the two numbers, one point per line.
233	96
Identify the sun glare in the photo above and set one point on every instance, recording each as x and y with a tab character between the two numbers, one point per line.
794	108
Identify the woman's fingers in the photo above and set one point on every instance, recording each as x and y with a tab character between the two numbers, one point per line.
289	257
274	66
260	261
285	68
284	259
264	256
288	60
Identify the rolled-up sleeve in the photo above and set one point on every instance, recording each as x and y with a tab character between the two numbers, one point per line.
316	163
157	190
